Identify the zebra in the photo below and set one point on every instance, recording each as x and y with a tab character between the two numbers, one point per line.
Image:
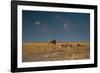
52	42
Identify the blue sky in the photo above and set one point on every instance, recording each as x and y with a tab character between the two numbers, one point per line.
40	26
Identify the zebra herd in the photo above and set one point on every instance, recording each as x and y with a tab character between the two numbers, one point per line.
53	42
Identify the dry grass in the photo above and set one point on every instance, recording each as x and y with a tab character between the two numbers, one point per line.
32	52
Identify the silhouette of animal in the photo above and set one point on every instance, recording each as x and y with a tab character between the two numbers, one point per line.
52	42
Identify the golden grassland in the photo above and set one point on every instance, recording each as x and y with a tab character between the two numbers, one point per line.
41	51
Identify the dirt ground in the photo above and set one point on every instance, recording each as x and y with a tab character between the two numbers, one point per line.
40	51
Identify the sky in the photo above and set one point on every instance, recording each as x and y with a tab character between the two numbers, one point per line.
40	26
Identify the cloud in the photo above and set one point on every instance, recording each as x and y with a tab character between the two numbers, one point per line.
57	16
65	25
41	25
63	20
37	22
